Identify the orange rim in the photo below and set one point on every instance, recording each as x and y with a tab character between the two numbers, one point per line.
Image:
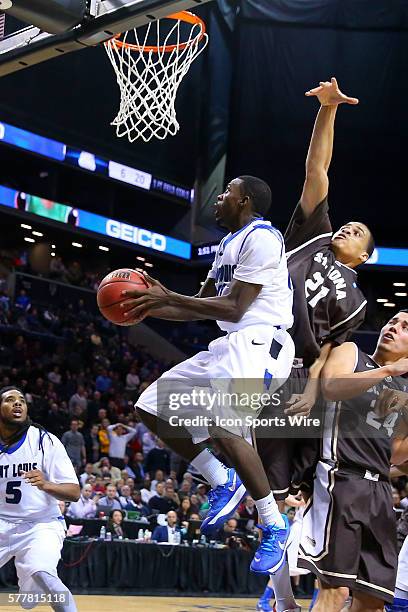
185	16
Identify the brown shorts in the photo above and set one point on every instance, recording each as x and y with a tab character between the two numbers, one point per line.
349	532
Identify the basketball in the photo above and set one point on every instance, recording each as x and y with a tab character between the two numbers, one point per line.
109	296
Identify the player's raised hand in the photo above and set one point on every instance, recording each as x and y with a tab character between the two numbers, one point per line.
144	299
35	478
328	93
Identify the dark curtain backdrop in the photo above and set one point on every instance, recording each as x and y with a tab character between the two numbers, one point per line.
271	120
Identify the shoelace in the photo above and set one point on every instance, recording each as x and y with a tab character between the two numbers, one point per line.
269	541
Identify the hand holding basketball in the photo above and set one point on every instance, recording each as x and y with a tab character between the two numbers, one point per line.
142	300
328	93
110	297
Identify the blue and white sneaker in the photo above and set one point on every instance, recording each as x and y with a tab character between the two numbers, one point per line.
264	605
271	553
223	500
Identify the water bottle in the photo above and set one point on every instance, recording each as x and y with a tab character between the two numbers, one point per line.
140	534
203	540
177	537
102	533
147	535
109	537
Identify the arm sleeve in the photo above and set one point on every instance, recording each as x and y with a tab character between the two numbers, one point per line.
57	465
261	253
302	228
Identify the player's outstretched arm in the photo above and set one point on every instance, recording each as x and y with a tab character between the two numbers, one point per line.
320	152
340	382
64	492
162	303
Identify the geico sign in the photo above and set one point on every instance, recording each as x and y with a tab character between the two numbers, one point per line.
135	235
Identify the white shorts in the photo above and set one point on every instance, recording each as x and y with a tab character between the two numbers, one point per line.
35	546
402	574
254	361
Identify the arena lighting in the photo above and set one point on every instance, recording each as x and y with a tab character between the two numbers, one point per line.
382	300
141	258
103	248
148	265
52	254
53	246
399	284
390	304
401	294
38	233
29	239
77	244
25	226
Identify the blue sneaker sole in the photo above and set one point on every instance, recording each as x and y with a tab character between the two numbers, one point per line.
209	526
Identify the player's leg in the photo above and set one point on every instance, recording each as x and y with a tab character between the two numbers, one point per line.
330	599
36	564
363	602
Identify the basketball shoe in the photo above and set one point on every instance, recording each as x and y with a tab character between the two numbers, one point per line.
270	555
223	501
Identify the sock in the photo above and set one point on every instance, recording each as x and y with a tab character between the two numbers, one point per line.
312	603
51	585
283	590
269	512
267	594
211	468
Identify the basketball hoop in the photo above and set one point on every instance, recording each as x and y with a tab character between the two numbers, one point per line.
149	75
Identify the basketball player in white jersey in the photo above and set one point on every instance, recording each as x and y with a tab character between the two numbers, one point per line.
35	472
248	292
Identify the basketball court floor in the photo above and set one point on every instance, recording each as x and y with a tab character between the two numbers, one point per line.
107	603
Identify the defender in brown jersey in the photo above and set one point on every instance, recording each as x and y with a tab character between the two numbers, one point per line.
349	532
328	307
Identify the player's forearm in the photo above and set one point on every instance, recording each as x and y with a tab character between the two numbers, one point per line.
63	492
185	308
321	144
346	386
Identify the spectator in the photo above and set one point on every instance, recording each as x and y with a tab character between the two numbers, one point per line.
201	493
57	268
135	468
23	301
119	436
115	524
110	498
136	504
248	510
146	491
74	444
103	437
124	496
158	477
103	382
94	406
185	490
104	468
168	532
55	376
171	494
78	399
85	507
161	503
92	444
148	442
132	380
89	471
184	512
158	458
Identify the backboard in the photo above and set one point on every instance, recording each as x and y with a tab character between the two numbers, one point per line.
102	20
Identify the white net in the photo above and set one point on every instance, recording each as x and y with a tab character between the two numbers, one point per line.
149	79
